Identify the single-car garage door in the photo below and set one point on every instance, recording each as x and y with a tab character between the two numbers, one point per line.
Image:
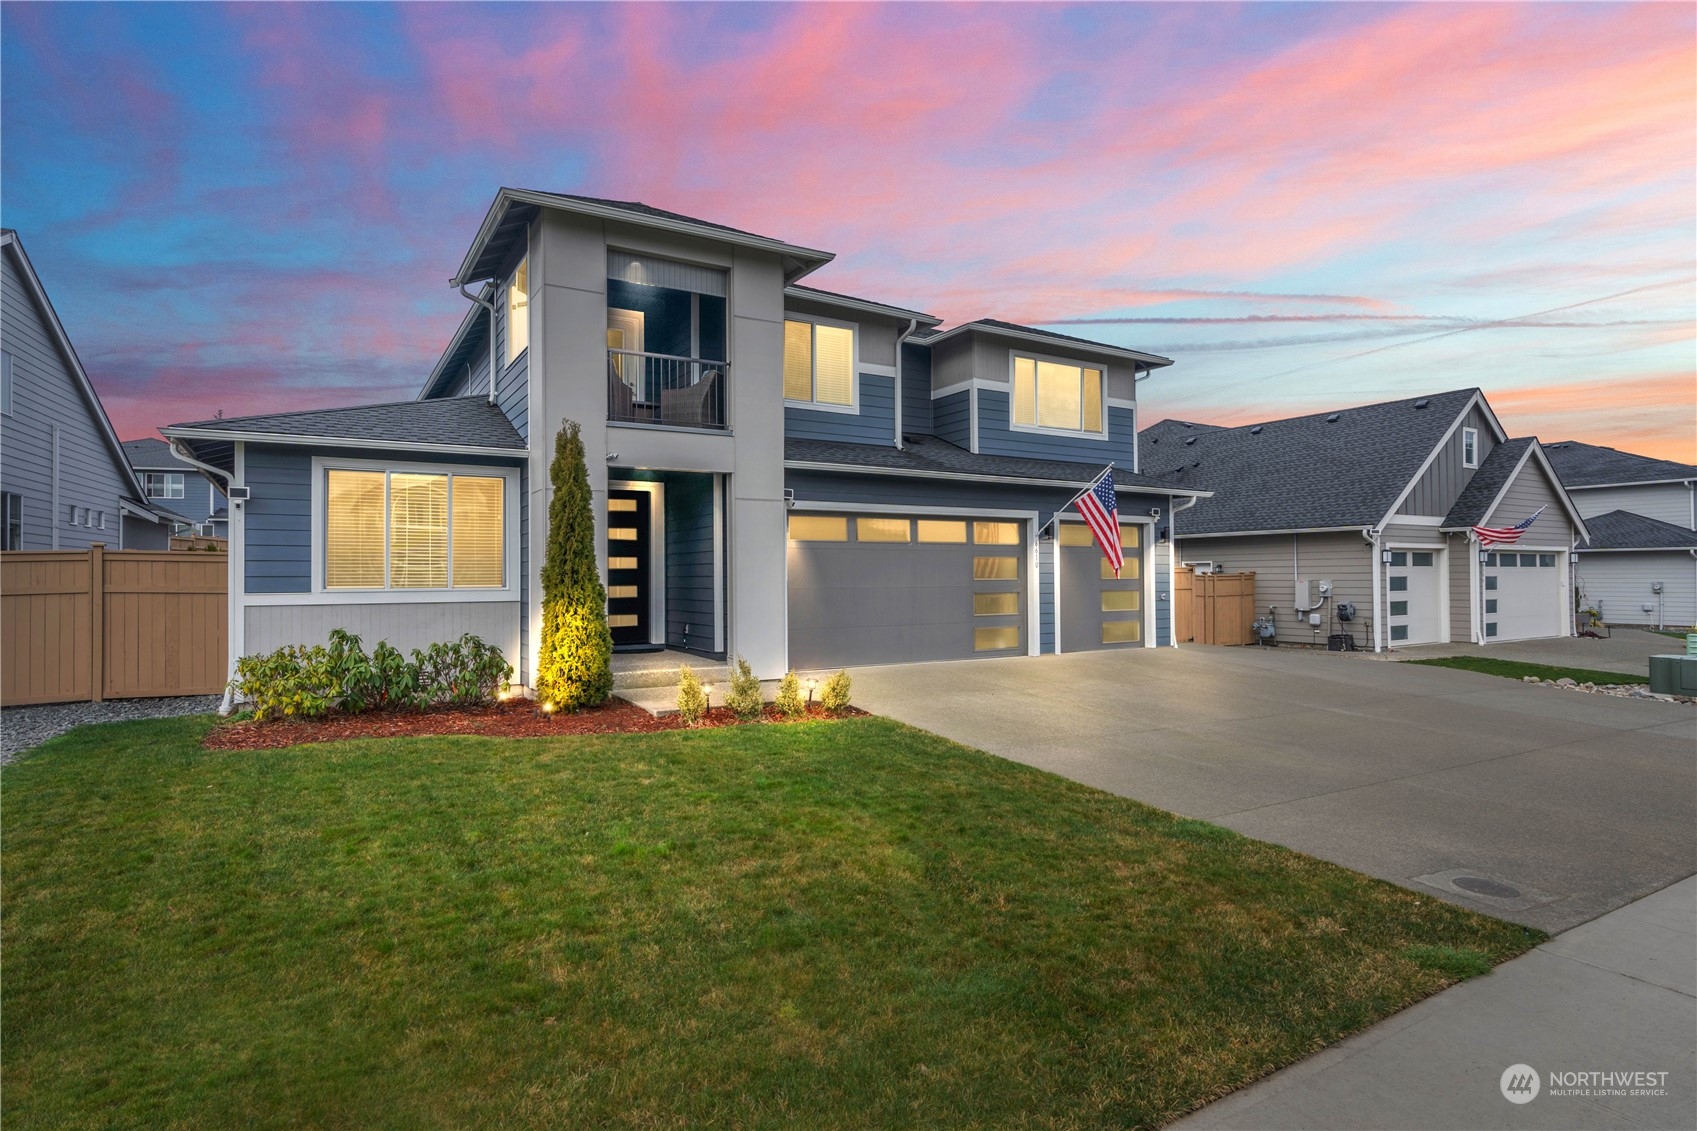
1522	596
884	589
1099	610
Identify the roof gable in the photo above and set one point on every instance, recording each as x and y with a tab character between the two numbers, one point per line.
1480	494
1327	470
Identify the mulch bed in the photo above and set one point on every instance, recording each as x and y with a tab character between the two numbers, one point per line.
517	718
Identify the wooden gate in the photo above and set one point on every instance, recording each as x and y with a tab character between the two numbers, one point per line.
130	624
1213	608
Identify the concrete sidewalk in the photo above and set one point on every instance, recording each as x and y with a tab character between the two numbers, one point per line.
1616	994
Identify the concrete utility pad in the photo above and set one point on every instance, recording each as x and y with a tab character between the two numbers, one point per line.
1576	803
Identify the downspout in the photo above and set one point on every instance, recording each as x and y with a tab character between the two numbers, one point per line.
1172	565
912	324
181	451
489	305
1372	536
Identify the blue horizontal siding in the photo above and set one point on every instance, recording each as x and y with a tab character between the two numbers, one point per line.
951	418
875	423
1046	598
513	394
1163	608
916	390
278	520
997	438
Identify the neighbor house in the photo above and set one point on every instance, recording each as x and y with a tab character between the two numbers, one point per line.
65	482
1640	566
799	477
192	497
1374	507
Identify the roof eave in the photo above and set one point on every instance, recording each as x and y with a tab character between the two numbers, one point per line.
798	260
1153	360
227	435
825	298
1685	482
966	476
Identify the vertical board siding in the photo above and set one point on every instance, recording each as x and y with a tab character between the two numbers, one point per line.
875	423
1437	489
689	561
279	520
1346	560
123	624
952	418
46	392
1618	586
916	390
996	436
1669	502
407	625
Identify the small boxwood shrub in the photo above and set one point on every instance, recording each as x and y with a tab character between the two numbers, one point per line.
744	700
835	694
692	700
789	702
298	681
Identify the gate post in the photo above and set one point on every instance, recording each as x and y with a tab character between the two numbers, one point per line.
97	620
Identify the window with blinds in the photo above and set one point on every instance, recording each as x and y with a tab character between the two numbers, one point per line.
1052	394
414	530
818	363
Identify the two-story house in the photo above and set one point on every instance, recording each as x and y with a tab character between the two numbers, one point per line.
783	473
1375	507
191	497
65	482
1640	566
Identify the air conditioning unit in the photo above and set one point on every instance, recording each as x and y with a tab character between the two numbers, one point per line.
1201	567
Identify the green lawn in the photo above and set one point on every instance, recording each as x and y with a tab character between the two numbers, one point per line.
820	925
1515	669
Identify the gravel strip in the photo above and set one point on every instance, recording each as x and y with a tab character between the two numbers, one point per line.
24	728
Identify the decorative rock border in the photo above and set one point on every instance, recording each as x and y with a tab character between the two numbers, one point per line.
1618	690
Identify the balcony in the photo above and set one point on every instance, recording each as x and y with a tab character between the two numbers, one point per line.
659	388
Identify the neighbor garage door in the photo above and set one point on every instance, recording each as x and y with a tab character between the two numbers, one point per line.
1522	596
883	589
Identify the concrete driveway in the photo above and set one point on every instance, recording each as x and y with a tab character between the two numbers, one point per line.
1553	807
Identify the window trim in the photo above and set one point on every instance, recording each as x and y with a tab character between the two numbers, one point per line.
1070	433
171	478
320	520
853	407
1470	436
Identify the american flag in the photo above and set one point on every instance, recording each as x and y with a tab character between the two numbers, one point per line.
1100	507
1505	535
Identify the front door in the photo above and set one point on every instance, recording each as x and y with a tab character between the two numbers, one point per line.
628	550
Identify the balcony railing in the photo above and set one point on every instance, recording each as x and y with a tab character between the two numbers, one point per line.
659	388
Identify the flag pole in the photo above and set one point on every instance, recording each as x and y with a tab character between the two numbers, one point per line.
1109	470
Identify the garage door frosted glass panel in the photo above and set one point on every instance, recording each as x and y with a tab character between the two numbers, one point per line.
882	529
995	569
994	639
1122	631
1121	600
1128	536
995	604
818	528
1131	570
353	537
996	533
942	530
1076	534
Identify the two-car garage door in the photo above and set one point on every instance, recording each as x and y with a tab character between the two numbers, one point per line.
880	589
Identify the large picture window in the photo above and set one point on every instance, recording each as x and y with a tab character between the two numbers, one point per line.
818	363
1054	394
414	530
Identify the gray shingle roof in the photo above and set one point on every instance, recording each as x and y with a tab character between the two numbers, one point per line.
636	207
1474	502
1306	472
1588	465
1172	432
927	455
1624	530
470	422
153	455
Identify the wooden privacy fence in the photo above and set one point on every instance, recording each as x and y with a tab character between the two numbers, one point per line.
129	624
1213	608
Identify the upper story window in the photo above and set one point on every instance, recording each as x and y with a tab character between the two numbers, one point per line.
819	362
414	530
1470	447
1058	395
163	484
518	311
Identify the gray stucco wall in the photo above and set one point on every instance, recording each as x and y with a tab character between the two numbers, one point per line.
46	393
